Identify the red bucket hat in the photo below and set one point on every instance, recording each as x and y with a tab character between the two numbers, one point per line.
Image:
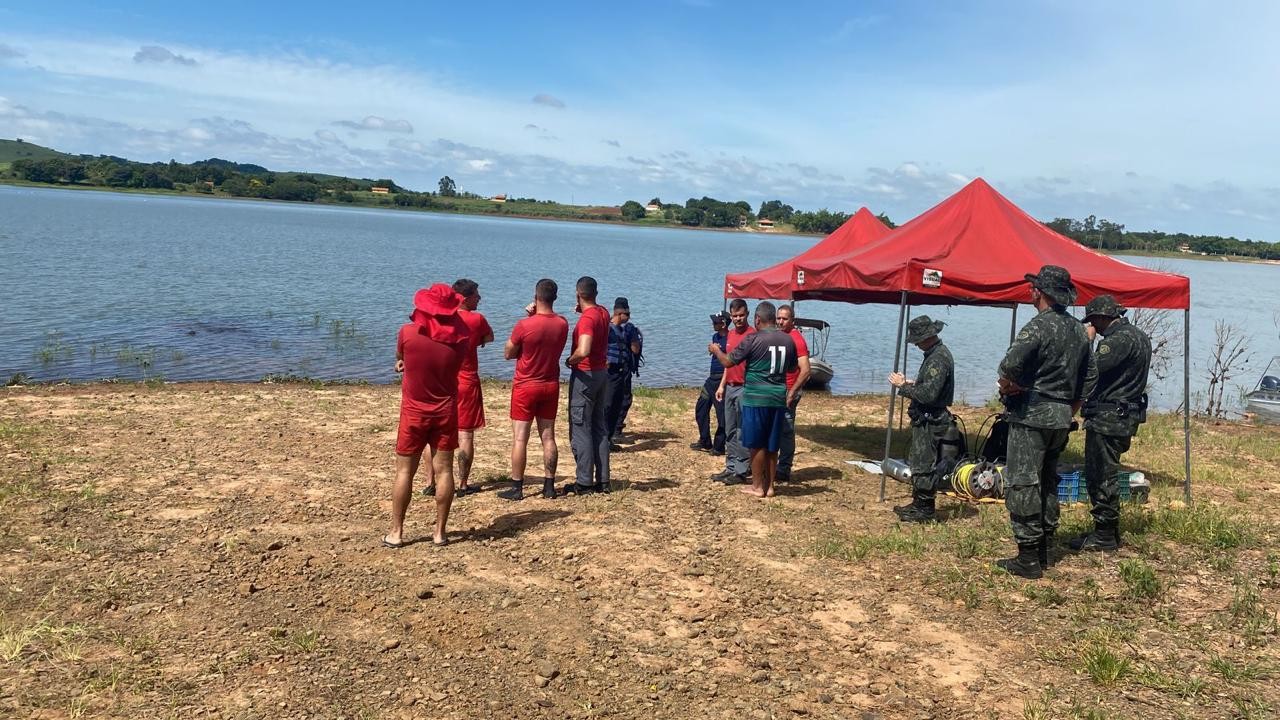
439	299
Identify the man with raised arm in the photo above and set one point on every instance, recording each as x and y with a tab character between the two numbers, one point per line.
588	382
536	344
768	355
429	351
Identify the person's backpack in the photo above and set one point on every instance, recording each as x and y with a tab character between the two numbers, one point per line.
637	359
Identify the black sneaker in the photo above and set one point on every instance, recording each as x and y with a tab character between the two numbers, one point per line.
720	476
717	452
782	477
699	447
429	491
1100	540
574	488
603	488
735	479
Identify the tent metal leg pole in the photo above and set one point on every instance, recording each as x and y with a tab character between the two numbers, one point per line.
1013	326
906	348
1186	401
893	392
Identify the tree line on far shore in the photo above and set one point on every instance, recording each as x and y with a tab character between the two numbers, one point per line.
247	180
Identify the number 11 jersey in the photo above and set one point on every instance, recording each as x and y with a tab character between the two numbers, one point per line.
769	355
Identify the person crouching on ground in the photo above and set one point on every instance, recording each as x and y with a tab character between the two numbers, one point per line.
707	398
536	344
588	381
769	354
935	440
429	351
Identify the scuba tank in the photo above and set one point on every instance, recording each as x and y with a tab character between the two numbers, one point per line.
896	469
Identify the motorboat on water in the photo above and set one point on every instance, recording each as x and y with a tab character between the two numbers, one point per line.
1264	400
816	333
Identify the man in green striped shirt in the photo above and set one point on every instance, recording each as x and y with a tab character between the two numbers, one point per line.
769	354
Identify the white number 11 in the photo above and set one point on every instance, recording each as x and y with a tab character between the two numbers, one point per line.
777	359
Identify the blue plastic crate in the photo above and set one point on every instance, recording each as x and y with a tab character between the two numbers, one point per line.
1071	487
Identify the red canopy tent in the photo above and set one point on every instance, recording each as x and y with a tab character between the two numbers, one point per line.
975	248
775	281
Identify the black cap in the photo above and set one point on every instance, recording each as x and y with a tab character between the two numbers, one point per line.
720	318
621	304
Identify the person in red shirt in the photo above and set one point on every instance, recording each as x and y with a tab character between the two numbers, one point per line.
588	382
429	351
536	344
795	379
470	397
737	462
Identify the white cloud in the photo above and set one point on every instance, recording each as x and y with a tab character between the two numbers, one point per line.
374	122
548	100
480	164
157	54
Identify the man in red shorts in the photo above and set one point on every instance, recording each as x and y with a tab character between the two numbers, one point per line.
536	344
429	352
470	398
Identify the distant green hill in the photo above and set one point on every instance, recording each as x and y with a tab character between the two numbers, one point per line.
11	150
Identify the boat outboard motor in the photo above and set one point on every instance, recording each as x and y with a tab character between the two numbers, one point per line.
1270	382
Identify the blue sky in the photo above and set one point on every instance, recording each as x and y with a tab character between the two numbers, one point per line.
1154	114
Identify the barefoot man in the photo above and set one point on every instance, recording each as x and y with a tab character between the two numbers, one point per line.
470	398
429	351
769	355
536	345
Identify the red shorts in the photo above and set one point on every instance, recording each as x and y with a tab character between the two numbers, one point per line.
470	405
417	431
531	400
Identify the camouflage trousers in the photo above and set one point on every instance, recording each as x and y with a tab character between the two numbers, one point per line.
1101	463
926	453
1031	481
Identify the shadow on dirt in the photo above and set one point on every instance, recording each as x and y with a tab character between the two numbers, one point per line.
512	524
647	485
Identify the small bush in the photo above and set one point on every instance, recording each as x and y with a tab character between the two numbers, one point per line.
1140	579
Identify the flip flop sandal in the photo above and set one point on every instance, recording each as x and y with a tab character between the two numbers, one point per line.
393	546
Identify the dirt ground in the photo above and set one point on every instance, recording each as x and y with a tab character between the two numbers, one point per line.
213	551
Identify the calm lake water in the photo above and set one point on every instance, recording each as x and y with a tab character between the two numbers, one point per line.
98	285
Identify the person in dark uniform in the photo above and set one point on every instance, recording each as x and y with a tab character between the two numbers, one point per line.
1112	413
1043	380
624	351
707	399
935	439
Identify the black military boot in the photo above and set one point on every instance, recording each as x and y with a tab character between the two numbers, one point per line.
1045	550
1104	538
1026	564
515	492
920	511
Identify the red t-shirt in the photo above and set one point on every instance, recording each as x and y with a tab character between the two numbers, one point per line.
594	321
541	341
479	329
802	350
737	374
430	381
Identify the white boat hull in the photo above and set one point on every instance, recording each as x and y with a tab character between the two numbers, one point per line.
820	373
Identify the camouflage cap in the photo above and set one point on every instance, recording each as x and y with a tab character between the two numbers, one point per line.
1055	282
922	328
1103	305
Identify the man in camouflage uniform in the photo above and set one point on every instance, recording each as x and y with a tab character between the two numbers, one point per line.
1112	414
1043	379
935	441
